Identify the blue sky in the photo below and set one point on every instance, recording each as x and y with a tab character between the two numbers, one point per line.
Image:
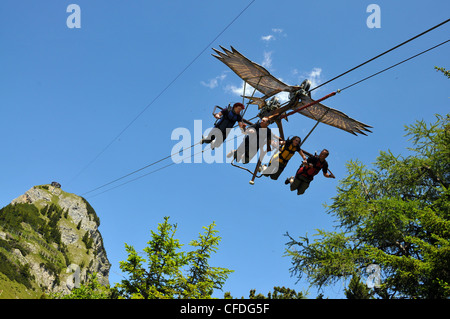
67	93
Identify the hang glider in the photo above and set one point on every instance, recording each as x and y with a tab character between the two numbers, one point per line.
261	79
300	100
253	73
330	116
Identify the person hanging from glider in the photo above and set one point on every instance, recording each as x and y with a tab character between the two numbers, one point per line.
256	135
306	172
288	149
227	118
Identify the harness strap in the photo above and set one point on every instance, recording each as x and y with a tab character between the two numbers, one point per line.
287	148
231	116
310	172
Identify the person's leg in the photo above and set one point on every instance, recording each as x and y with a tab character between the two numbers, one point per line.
303	186
212	135
251	148
280	170
295	182
240	151
219	137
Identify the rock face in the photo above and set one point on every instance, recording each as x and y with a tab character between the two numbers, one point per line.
52	238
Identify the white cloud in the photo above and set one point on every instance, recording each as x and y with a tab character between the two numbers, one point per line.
239	90
314	76
268	37
283	97
213	83
272	37
267	62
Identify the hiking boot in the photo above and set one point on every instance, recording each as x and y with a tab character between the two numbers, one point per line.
205	140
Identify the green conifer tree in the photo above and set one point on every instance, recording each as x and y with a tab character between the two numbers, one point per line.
168	272
395	215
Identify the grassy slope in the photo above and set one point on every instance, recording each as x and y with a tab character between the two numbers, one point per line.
10	289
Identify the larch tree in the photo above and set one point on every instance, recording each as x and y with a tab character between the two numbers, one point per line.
393	218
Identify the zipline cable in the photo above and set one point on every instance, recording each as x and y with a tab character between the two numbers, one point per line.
148	165
164	158
132	180
161	93
397	46
136	171
393	66
139	177
381	54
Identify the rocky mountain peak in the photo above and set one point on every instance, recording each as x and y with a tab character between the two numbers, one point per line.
50	242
